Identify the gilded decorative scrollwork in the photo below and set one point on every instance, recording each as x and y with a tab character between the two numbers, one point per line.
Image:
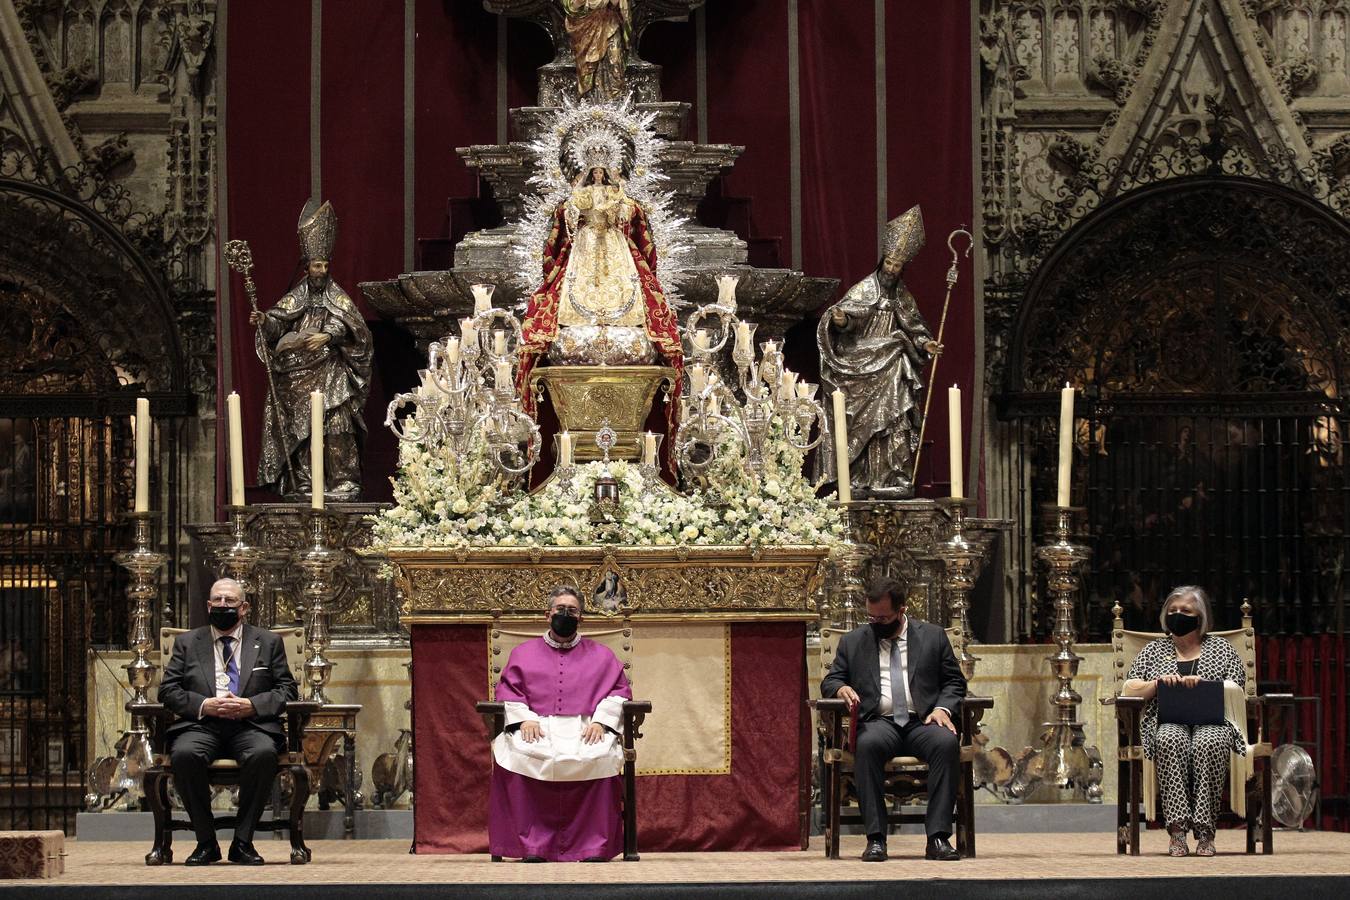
699	581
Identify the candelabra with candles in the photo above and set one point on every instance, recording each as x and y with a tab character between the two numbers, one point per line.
1063	759
468	387
318	561
711	413
961	564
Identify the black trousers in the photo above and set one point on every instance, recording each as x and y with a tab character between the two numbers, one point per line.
880	741
196	747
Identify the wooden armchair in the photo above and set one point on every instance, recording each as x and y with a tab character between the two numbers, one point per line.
225	772
1126	646
906	776
619	639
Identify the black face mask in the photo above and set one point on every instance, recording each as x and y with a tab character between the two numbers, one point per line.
223	617
885	630
563	625
1180	623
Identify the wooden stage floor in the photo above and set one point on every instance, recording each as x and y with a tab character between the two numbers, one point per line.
1064	863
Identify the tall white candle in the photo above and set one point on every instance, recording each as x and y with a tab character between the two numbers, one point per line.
236	449
954	440
316	449
503	374
142	455
701	339
841	448
499	342
469	331
452	353
564	449
649	448
1065	444
785	389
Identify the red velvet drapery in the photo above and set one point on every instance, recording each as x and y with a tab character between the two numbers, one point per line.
751	81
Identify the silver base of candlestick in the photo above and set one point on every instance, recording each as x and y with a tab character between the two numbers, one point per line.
239	559
318	561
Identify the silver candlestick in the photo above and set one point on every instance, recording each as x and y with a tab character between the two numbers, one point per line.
1062	757
961	564
240	559
318	561
134	751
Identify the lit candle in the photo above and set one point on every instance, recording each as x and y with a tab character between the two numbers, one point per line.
469	331
649	448
142	455
236	449
841	448
316	449
803	391
452	353
503	374
564	449
954	440
1065	444
482	298
701	339
743	337
698	379
499	342
785	389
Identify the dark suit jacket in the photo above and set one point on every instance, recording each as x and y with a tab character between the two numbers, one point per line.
935	677
264	677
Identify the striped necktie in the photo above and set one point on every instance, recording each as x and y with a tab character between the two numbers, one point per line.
232	667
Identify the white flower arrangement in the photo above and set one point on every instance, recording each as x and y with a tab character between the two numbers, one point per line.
443	499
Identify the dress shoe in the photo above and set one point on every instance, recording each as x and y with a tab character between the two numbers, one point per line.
940	848
243	854
204	855
875	852
532	859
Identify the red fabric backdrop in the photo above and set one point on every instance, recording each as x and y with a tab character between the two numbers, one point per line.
361	120
753	808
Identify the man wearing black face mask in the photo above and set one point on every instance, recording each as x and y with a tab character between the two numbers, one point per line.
903	679
228	684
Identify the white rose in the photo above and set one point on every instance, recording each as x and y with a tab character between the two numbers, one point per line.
460	506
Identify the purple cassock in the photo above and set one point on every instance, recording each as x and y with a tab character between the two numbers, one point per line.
557	797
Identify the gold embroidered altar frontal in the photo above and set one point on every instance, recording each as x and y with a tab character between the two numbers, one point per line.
656	583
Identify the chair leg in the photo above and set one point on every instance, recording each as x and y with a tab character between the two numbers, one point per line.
299	797
1122	789
1136	800
836	800
1267	808
161	854
965	812
630	832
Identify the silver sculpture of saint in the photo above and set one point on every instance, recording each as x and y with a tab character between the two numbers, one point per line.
874	346
314	339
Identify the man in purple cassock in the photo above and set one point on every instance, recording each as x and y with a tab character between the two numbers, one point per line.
556	792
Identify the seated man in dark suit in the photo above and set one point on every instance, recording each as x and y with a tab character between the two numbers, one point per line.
914	719
228	684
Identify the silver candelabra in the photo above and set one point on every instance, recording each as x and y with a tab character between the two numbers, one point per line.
961	564
318	561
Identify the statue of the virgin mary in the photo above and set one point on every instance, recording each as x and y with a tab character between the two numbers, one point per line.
600	302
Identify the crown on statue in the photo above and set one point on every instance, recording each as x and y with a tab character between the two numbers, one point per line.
318	230
904	236
599	143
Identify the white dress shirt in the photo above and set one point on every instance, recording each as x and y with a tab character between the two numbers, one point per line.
886	705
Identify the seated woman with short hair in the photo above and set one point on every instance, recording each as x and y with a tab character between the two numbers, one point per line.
1191	760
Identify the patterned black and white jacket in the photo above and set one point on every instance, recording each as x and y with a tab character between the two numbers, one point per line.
1218	662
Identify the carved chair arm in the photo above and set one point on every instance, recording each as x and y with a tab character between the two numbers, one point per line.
1129	714
157	717
494	716
298	713
971	711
